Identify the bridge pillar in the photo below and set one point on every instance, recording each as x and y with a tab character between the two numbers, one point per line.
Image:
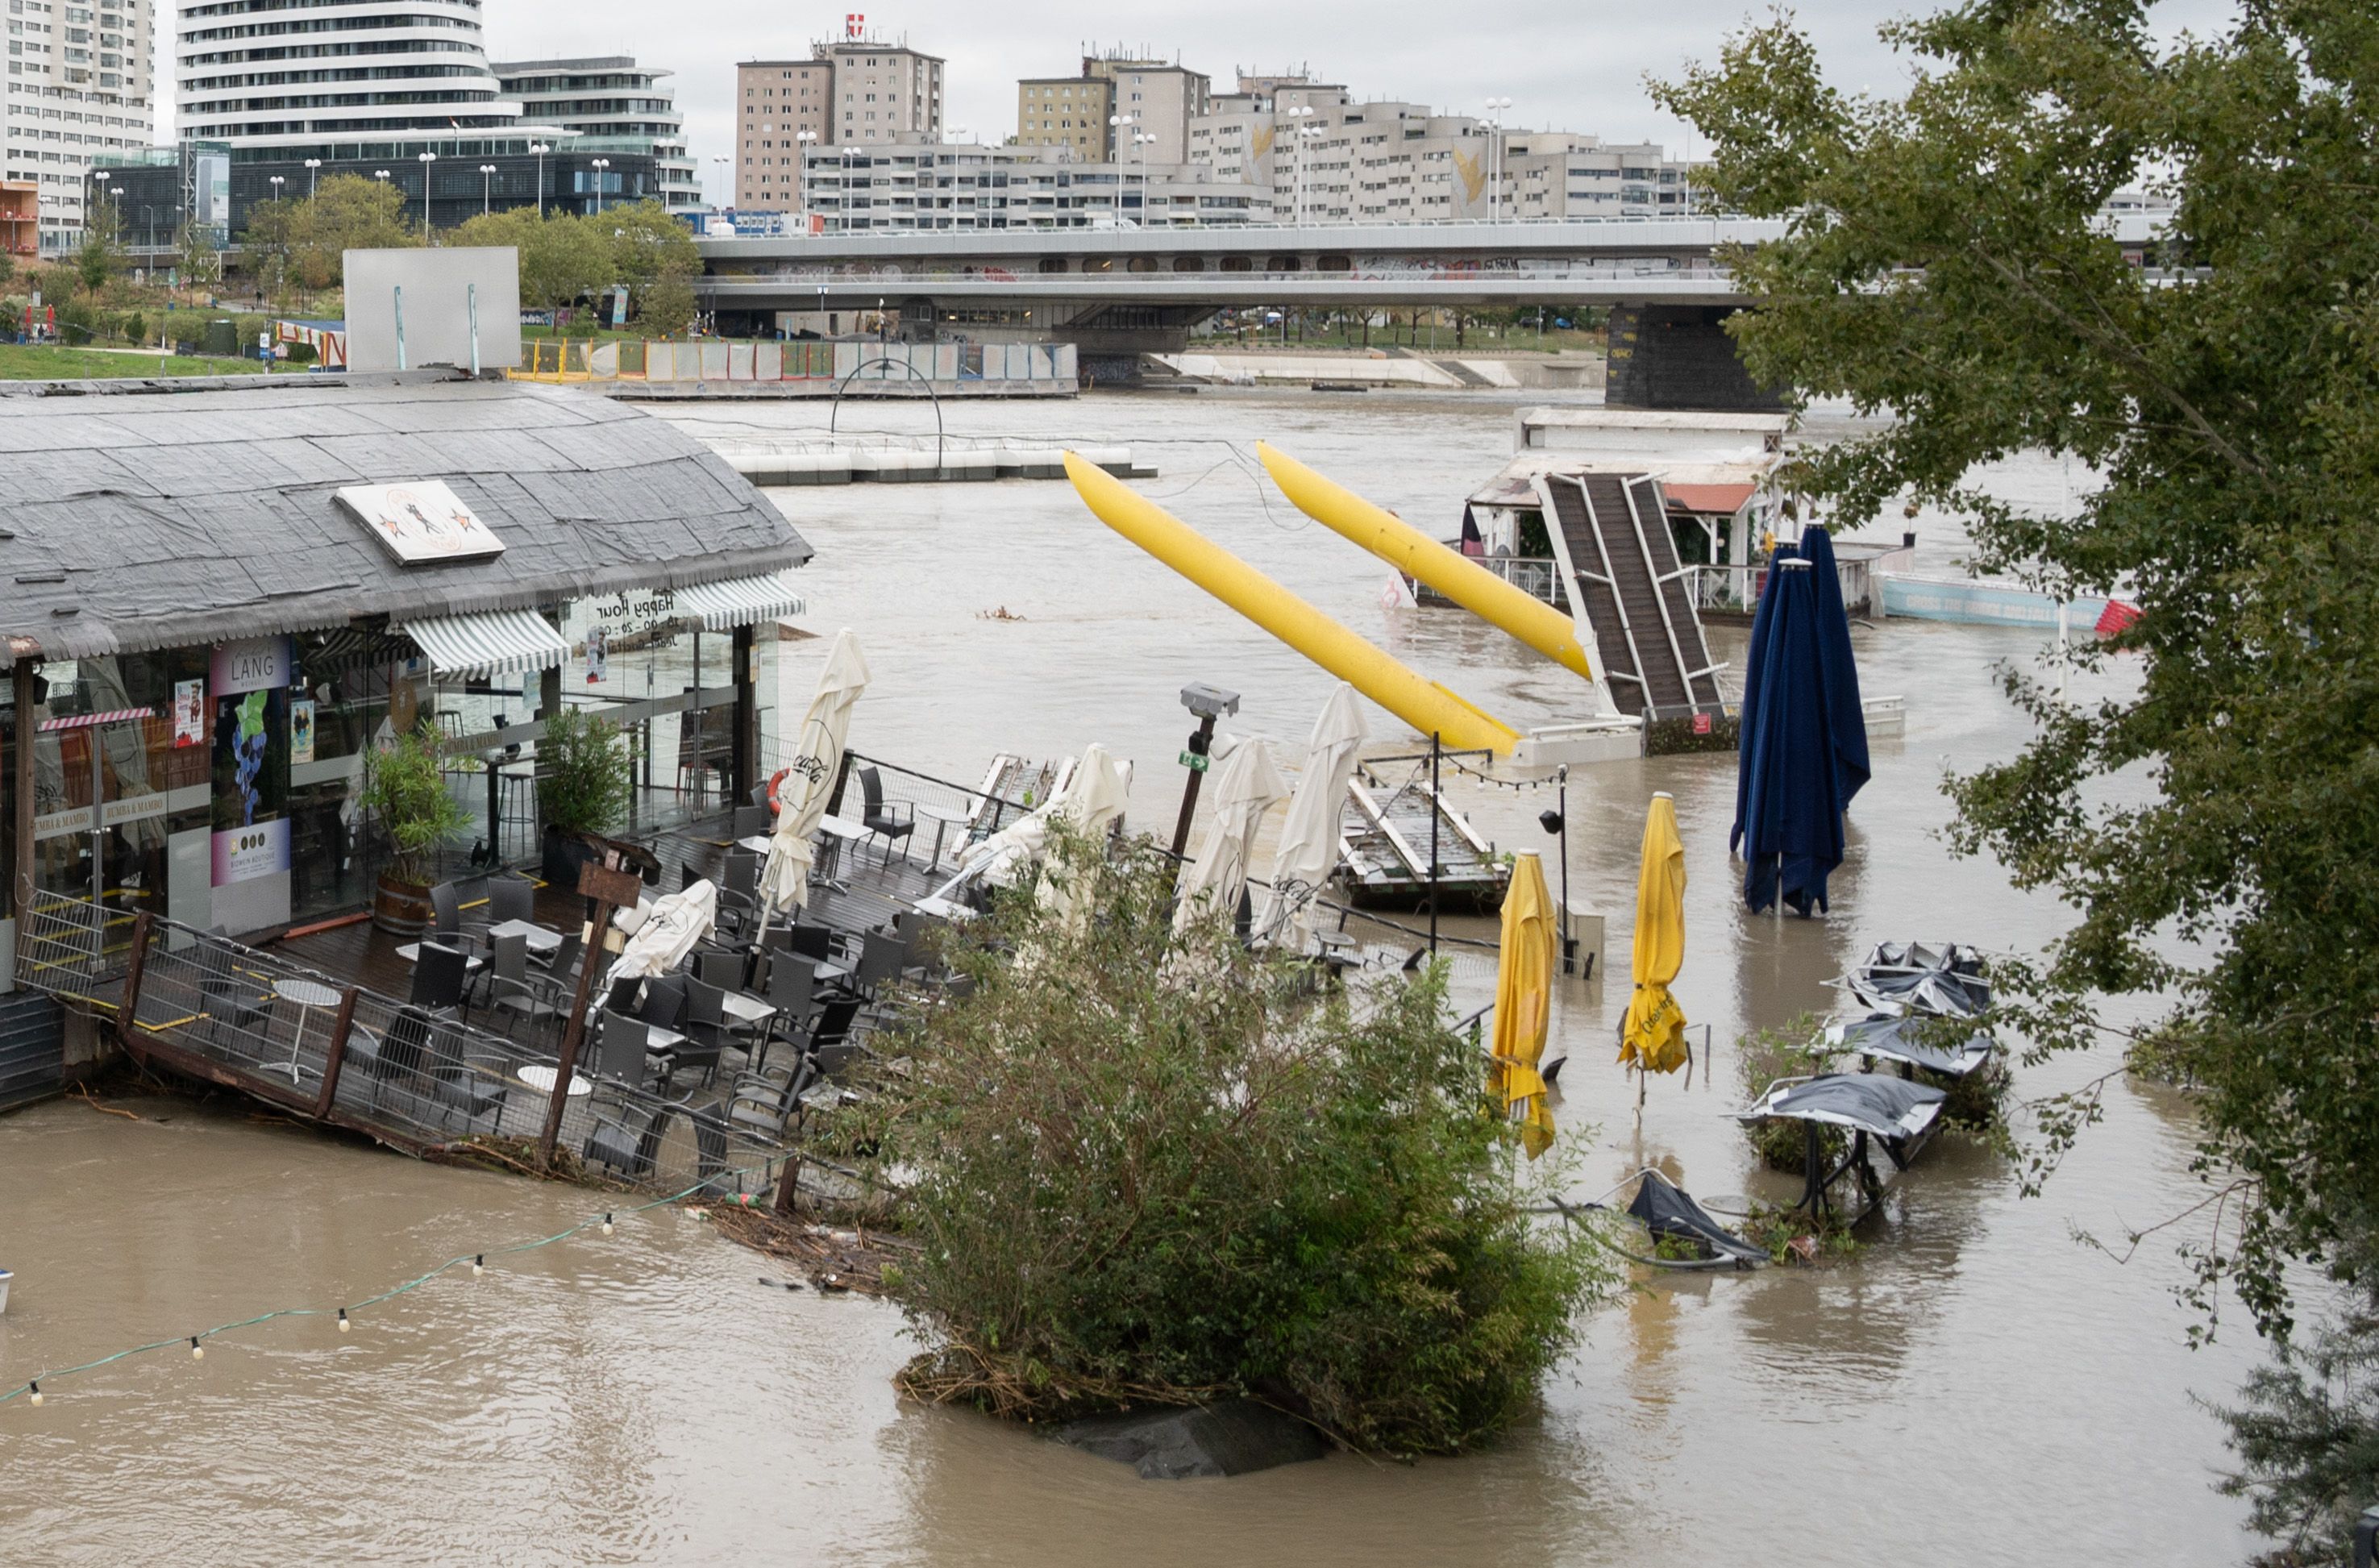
1678	356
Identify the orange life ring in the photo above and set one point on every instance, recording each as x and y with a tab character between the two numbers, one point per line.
775	778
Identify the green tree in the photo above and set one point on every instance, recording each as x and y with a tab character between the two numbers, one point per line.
96	261
648	242
563	257
1152	1167
665	308
1946	263
345	213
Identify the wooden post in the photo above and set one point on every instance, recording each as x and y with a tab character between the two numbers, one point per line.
786	1195
127	1016
335	1054
28	727
610	888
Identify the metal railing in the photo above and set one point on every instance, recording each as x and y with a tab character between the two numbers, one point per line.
1736	589
423	1080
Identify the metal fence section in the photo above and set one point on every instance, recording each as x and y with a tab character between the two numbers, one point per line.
799	361
422	1079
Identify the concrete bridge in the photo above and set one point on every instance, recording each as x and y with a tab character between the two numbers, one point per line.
1116	293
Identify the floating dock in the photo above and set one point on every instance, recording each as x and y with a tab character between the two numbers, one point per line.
901	460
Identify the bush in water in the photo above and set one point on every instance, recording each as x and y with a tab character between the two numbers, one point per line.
1143	1167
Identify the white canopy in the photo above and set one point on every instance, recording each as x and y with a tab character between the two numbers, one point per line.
1248	785
817	762
1308	839
1094	796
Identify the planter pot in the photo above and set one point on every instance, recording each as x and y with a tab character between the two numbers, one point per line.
564	853
401	907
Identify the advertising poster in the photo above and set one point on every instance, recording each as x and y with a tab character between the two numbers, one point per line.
251	759
190	712
301	730
598	659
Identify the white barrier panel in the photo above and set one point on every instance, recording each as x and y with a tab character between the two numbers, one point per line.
660	362
603	361
713	361
846	359
739	361
769	362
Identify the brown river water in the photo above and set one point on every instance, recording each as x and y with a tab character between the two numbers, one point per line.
1974	1388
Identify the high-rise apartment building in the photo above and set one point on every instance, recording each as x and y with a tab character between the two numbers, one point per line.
1117	99
1329	159
79	87
613	97
1066	112
850	92
298	73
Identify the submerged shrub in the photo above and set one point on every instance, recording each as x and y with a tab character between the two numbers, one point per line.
1793	1050
1147	1167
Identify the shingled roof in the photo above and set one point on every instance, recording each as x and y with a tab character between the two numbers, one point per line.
166	514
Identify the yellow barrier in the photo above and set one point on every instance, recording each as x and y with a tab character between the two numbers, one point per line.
1409	551
1422	703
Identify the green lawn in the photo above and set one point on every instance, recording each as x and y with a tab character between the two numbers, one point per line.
20	362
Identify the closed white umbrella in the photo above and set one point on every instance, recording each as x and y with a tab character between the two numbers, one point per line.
1248	785
1308	839
1090	802
672	927
817	763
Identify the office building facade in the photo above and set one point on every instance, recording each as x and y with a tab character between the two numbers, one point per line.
612	98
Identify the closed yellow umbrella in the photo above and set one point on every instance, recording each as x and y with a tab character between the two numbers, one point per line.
1654	1036
1524	978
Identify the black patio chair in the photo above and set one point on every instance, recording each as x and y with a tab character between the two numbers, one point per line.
631	1146
890	823
622	1050
752	822
762	1105
441	973
401	1053
710	1154
664	1002
460	1090
829	1043
714	966
792	991
517	994
225	995
446	924
704	1025
511	897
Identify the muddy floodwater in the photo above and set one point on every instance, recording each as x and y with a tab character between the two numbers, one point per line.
1974	1388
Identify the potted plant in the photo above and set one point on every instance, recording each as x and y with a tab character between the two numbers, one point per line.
404	788
583	789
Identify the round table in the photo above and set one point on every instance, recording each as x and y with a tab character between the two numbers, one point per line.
309	994
539	1077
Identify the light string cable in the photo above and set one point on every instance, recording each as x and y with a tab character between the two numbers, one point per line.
30	1390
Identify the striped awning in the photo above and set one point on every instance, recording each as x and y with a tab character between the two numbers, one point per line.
496	642
740	601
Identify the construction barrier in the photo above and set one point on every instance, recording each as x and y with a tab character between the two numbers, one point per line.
939	364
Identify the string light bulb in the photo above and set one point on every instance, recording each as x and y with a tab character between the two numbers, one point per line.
342	1320
35	1389
478	1266
606	1225
197	1351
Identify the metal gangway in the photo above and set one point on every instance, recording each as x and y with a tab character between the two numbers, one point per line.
1627	583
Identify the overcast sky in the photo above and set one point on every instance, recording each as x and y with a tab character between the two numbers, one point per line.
1567	65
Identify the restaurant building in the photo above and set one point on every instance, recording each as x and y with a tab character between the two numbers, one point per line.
220	598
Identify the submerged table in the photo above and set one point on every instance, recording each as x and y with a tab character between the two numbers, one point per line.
541	1077
309	994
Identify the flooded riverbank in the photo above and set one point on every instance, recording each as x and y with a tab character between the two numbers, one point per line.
1973	1388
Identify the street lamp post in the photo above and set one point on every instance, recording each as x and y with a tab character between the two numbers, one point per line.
427	159
276	181
598	165
313	171
486	188
848	154
1496	109
541	149
802	142
1140	141
726	182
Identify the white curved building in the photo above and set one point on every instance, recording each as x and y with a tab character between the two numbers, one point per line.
322	73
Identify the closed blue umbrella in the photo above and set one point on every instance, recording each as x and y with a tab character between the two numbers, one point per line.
1788	792
1845	715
